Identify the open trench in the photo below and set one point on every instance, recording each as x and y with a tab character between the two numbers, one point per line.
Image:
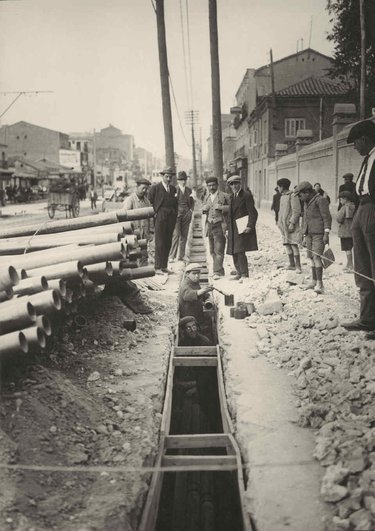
197	484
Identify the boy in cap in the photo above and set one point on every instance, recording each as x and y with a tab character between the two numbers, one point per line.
344	218
349	186
289	214
216	224
191	295
190	336
185	205
316	228
362	135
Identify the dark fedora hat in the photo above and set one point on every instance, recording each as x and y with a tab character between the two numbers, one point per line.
168	171
182	176
365	128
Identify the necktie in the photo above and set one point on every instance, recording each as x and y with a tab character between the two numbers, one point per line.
363	174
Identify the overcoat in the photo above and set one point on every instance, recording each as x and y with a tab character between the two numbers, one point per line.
316	216
240	206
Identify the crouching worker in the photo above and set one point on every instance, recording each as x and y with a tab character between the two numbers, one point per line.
192	296
190	335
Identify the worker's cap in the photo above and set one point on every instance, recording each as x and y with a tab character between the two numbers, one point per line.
186	320
168	171
182	176
348	176
284	183
234	179
212	180
193	267
365	128
142	181
346	195
304	186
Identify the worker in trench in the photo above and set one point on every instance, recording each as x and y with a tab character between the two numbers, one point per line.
192	297
190	335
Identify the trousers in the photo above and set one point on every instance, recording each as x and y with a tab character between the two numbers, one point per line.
164	226
180	234
363	230
241	265
216	240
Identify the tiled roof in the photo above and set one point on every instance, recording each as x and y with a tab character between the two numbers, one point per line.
314	86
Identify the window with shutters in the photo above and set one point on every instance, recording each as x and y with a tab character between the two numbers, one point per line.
292	125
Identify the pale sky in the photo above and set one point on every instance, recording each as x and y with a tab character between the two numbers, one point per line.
100	58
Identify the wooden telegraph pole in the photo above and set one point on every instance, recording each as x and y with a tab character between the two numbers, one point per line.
164	80
215	83
362	90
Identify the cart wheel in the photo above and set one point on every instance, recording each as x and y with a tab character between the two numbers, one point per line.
75	208
51	211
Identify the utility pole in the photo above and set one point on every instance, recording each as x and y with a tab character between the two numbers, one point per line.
200	155
192	118
215	83
164	80
94	156
362	90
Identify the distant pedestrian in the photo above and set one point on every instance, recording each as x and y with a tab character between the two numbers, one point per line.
349	186
276	204
363	136
242	218
138	199
189	333
162	197
318	188
344	218
216	224
93	198
185	205
315	228
289	223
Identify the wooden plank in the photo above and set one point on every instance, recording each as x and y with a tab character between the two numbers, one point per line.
225	416
216	461
166	419
197	361
195	351
207	440
150	510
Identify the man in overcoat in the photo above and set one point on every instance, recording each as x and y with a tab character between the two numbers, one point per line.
363	227
185	205
241	204
162	197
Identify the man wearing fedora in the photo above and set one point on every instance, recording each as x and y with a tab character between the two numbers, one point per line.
362	135
185	205
241	205
162	197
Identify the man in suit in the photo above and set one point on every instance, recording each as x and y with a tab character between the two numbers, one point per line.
362	135
316	227
216	224
241	204
185	205
162	197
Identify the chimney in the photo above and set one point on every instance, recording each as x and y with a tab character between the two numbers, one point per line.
304	138
343	114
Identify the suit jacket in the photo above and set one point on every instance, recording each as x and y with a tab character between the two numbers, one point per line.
240	206
187	197
221	200
160	198
316	216
371	182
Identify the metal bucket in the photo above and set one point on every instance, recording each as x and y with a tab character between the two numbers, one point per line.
229	300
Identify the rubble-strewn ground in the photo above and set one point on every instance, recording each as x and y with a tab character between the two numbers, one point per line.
333	369
93	399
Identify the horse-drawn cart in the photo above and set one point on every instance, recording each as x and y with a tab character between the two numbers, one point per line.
65	201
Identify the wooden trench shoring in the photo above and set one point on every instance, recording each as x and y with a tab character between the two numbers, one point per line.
188	453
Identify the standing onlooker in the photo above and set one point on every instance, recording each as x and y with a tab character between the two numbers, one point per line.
276	204
349	186
363	227
241	205
316	228
93	198
138	199
163	199
215	224
323	193
289	214
185	205
344	218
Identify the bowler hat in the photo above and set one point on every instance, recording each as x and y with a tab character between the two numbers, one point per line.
365	128
346	195
193	267
234	179
182	176
142	181
168	171
211	179
186	320
303	187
